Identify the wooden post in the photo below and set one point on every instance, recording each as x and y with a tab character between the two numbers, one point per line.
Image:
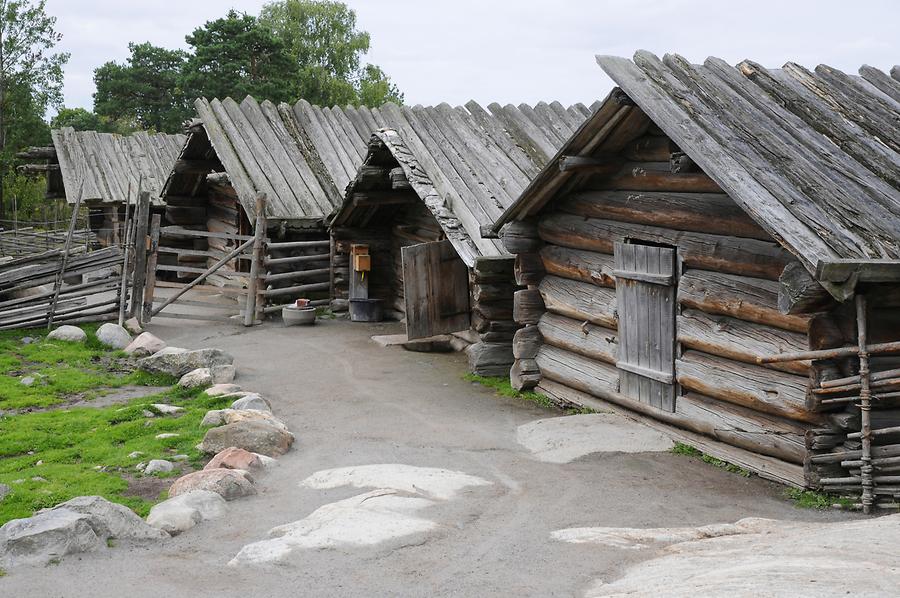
865	404
259	237
142	216
150	278
65	257
123	286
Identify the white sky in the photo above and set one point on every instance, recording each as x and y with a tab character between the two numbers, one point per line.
516	50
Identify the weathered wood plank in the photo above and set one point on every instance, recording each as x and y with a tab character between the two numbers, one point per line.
580	301
575	264
583	338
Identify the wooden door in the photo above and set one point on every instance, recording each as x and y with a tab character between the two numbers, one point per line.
436	289
645	297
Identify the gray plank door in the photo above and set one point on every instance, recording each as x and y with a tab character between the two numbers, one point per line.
436	288
645	296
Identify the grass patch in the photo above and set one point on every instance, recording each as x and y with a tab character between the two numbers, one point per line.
503	388
62	370
809	499
685	449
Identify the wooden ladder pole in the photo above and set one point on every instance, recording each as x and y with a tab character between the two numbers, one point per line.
259	237
150	279
865	405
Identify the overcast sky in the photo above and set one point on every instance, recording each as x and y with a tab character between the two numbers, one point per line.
516	50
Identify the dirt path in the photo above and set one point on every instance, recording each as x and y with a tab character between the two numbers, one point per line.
351	403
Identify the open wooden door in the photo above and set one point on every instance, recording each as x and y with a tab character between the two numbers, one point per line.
645	297
436	288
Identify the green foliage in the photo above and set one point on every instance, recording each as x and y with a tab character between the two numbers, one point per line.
85	120
503	388
809	499
146	90
321	36
690	451
237	56
62	370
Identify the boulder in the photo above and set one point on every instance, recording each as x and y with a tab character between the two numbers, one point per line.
252	401
184	511
196	378
227	483
218	417
267	462
71	334
212	418
133	326
144	345
223	374
217	390
110	520
159	466
47	536
113	336
178	362
236	458
253	435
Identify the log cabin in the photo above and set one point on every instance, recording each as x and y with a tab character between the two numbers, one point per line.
301	157
103	168
410	234
709	252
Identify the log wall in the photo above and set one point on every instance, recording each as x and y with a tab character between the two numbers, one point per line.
727	311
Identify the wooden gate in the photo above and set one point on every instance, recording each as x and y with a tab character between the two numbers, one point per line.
436	289
645	294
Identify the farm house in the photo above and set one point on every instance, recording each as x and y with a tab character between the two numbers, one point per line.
717	250
103	168
410	235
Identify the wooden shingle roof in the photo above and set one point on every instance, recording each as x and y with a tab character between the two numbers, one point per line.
812	156
101	166
467	164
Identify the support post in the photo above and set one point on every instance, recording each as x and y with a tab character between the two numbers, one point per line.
150	278
865	405
123	284
64	260
142	217
259	255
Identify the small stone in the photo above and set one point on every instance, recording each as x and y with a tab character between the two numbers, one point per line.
145	345
135	454
39	463
4	490
218	390
252	401
113	336
165	435
147	413
228	483
71	334
27	340
38	478
140	466
223	374
184	511
27	381
167	409
196	378
252	435
159	466
235	458
180	457
133	326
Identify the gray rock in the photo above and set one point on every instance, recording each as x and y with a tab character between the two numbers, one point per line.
252	401
27	381
135	454
180	457
217	390
228	483
27	340
133	326
253	435
223	374
196	378
178	362
110	520
214	417
159	466
184	511
165	435
4	490
167	409
144	345
46	537
71	334
113	336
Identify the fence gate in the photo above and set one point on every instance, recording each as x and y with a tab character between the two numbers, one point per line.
645	297
436	288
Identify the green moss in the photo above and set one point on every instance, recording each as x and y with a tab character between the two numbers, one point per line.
685	449
503	388
690	451
809	499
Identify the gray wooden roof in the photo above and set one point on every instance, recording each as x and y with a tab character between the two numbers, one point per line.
102	165
467	163
812	156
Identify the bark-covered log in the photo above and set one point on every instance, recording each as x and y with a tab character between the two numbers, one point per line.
800	293
758	388
748	257
751	299
482	325
526	342
494	311
520	236
713	213
527	306
577	264
490	359
524	374
579	372
579	301
740	340
589	340
487	291
633	177
529	268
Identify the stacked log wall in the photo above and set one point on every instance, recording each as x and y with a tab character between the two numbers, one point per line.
727	308
493	287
